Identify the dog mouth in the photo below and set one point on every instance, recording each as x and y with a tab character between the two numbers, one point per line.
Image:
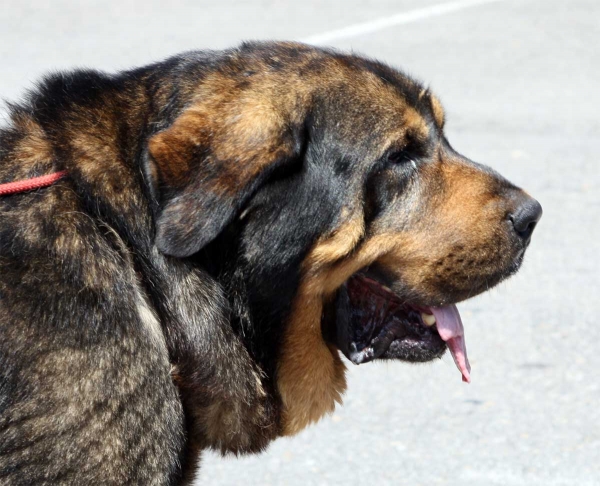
371	322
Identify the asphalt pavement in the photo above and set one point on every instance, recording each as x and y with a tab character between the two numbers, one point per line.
520	83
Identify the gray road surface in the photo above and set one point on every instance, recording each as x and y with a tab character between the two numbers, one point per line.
520	81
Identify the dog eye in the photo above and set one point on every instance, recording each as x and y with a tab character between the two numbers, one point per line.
400	157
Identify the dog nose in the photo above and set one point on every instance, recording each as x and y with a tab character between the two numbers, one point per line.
526	217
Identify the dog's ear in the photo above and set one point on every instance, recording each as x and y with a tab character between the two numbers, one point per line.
209	162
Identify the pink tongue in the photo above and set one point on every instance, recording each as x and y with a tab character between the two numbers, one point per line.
450	329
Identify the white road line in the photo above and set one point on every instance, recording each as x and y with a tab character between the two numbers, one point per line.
398	19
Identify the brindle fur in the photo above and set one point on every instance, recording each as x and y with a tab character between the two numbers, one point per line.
167	295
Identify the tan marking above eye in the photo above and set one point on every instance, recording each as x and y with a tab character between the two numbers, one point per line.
438	111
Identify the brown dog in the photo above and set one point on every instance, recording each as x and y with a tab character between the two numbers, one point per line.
228	223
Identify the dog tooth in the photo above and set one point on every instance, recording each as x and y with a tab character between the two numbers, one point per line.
428	319
386	288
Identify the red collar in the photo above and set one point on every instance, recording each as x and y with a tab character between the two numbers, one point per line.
30	184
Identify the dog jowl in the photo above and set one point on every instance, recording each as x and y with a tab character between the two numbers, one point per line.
229	224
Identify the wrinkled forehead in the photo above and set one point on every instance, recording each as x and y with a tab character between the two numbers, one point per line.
372	104
352	98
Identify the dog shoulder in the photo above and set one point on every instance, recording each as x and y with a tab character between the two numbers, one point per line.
80	350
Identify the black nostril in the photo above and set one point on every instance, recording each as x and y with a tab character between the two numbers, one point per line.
526	217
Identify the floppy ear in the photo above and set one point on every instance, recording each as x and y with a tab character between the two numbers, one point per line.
209	162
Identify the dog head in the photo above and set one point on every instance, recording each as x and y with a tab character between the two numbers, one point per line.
320	189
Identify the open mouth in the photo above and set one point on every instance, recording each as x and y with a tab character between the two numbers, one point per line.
374	323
